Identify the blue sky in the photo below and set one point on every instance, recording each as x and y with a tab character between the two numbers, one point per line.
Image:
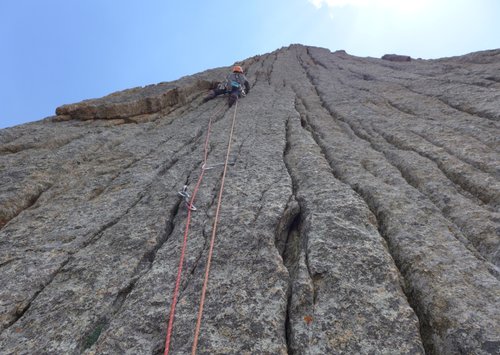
55	52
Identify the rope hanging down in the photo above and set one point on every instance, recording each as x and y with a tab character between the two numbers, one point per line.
212	239
190	205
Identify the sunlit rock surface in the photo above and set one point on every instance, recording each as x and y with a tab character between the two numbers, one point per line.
360	214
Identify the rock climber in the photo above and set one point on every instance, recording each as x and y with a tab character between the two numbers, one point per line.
236	85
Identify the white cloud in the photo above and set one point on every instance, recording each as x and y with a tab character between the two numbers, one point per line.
338	3
392	5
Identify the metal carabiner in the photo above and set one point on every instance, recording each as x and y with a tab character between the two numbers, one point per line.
187	198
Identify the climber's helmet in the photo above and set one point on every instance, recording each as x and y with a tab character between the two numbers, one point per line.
237	69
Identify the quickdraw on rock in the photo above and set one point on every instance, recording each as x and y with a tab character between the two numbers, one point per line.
212	239
189	202
208	167
187	198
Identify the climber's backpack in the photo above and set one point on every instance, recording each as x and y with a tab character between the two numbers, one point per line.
230	85
237	85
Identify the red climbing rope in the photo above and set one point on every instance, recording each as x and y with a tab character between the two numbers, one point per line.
212	240
186	231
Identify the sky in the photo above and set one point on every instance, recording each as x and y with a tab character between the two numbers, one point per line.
55	52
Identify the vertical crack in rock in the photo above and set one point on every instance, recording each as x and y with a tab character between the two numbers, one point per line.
189	272
378	108
142	268
200	221
474	183
408	330
481	237
50	278
390	167
270	69
379	220
317	61
146	275
193	266
291	255
475	242
146	263
315	133
460	108
467	288
290	244
490	252
47	280
264	72
473	225
143	264
297	242
457	172
464	172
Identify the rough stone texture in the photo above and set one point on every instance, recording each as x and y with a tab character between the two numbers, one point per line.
360	215
396	58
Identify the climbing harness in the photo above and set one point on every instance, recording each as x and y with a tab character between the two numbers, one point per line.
187	198
189	201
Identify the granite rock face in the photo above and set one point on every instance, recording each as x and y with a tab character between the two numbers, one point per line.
360	213
396	58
